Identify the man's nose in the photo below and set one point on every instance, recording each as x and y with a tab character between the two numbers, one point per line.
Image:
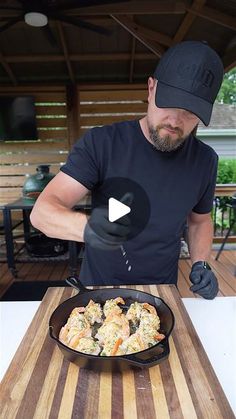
175	117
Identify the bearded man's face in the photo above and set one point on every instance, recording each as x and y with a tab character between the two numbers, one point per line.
168	128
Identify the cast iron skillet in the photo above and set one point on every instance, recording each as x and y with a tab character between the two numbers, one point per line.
142	359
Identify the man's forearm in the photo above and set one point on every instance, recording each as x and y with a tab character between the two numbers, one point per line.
200	240
55	220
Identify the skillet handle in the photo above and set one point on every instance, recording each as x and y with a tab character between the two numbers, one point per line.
135	360
74	282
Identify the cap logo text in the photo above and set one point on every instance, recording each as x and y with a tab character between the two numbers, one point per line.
196	74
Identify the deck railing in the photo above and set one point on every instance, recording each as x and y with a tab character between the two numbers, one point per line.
222	212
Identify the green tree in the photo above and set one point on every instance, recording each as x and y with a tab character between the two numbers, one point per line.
227	93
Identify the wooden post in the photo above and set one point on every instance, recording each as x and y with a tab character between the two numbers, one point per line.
72	107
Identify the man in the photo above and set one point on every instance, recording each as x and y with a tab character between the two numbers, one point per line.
160	153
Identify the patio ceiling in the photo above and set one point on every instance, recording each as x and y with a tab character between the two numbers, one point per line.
140	32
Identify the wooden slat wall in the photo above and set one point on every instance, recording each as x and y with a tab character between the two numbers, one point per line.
100	107
20	159
95	106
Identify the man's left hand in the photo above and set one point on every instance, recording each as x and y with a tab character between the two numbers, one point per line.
204	280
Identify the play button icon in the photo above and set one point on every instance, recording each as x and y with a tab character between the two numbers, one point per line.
121	197
116	209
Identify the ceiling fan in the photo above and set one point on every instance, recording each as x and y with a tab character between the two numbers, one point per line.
39	13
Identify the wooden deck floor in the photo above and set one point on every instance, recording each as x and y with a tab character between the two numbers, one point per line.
224	269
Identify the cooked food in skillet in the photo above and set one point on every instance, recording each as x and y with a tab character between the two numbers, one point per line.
111	329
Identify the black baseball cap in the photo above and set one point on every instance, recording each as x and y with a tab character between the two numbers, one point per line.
189	77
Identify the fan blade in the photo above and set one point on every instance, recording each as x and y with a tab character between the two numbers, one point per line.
11	22
81	23
49	35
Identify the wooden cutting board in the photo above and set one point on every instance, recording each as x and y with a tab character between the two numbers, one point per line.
41	384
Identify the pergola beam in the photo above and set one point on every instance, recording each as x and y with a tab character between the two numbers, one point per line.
158	37
65	52
132	57
141	8
215	16
229	59
78	57
133	8
148	7
187	21
8	69
131	27
124	14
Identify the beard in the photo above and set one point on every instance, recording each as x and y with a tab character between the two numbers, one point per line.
165	143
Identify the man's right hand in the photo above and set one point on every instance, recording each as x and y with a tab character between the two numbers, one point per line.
105	235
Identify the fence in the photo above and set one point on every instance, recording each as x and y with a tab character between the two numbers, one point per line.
223	213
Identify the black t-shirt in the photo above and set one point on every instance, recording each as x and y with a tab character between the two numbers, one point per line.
176	183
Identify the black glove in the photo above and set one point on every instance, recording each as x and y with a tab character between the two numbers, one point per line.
204	280
103	234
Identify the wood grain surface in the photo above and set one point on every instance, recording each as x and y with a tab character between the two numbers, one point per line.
40	383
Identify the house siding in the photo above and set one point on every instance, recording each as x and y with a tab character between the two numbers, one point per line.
224	147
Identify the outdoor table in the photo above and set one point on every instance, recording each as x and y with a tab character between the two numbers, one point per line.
26	205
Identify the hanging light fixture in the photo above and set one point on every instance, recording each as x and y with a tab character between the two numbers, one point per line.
36	19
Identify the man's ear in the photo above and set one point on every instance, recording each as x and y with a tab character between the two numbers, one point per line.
151	87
